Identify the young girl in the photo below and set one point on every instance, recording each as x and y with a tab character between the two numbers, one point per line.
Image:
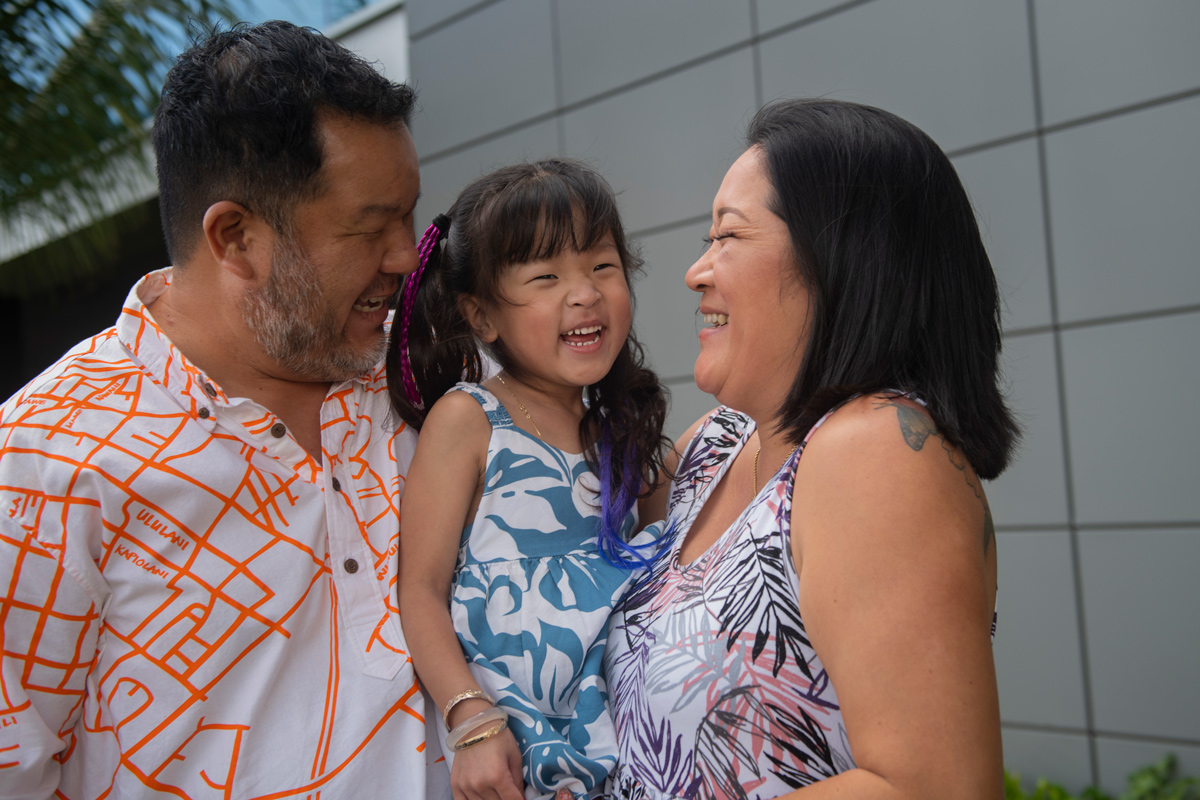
519	504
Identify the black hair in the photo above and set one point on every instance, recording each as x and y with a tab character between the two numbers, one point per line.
238	121
902	294
518	214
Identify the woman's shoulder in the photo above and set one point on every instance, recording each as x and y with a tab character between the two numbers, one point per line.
891	437
874	419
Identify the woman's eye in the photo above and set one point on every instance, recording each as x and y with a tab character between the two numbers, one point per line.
708	241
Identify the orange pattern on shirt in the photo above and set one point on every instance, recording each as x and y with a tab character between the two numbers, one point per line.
190	603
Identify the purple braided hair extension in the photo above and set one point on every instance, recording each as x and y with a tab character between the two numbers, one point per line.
408	296
613	510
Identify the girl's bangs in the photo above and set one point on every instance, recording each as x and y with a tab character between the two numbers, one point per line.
545	215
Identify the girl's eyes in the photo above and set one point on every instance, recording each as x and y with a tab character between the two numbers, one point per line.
599	267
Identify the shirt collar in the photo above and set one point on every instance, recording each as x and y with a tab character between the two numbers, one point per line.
140	333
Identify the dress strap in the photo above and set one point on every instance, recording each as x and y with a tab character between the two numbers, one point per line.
496	413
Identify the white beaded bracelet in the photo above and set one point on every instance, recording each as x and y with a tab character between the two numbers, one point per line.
455	739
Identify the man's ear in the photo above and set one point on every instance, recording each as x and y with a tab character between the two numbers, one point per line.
476	315
236	238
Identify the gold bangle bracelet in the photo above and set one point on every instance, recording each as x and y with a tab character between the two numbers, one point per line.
465	695
482	737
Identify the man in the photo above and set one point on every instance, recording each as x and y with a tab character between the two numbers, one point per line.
198	555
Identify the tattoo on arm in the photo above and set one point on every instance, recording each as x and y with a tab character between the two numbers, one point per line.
916	426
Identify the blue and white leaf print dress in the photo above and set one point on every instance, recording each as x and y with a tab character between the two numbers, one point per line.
530	603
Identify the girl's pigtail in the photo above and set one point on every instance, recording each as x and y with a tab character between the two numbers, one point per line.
629	406
431	348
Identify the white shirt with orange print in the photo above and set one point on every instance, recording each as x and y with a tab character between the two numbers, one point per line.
193	606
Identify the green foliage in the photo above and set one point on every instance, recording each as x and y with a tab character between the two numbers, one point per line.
1153	782
78	81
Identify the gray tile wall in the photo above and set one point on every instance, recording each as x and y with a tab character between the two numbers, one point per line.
1072	123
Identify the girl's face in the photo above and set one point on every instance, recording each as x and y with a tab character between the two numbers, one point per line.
563	320
755	305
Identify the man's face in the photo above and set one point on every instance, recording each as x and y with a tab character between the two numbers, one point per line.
320	313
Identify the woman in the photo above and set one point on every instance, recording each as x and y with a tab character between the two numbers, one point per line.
822	621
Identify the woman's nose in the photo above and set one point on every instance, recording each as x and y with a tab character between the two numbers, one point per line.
699	274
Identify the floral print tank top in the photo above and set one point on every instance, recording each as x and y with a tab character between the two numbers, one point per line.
716	690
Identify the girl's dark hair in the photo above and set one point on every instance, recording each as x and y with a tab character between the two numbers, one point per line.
901	291
518	214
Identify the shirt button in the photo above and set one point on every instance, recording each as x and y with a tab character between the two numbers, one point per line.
337	487
278	430
351	565
209	390
204	413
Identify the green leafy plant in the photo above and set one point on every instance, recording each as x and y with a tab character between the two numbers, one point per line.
1156	781
78	81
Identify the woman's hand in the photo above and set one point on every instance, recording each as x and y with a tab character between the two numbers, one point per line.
490	770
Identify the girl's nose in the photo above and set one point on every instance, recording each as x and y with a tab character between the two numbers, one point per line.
583	292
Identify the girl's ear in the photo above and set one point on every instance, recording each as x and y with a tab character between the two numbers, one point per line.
476	315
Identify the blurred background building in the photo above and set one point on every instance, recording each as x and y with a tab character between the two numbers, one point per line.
1073	124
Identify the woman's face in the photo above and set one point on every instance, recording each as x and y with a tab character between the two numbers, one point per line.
754	305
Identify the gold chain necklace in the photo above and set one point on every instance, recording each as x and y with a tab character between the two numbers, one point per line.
756	454
525	411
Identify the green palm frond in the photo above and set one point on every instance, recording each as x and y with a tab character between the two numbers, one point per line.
78	81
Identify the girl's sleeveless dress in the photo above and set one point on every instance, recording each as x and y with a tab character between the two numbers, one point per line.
717	692
530	603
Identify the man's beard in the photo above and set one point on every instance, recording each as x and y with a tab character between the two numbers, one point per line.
291	321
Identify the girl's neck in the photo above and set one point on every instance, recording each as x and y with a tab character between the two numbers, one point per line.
552	413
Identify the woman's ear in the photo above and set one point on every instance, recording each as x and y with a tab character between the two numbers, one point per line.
236	238
476	315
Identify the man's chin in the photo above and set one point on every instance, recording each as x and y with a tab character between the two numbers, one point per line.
334	366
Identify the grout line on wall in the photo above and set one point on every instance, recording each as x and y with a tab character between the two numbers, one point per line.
988	145
560	122
450	20
810	19
1085	527
1113	319
1061	380
670	226
1160	525
1137	316
753	42
1034	727
1132	108
1150	738
756	54
1031	331
487	137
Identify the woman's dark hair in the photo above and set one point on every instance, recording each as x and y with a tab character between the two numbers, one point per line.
901	291
238	121
518	214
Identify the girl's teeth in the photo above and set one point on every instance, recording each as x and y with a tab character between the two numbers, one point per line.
593	332
717	320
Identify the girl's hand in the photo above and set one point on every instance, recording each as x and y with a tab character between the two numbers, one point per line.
490	770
